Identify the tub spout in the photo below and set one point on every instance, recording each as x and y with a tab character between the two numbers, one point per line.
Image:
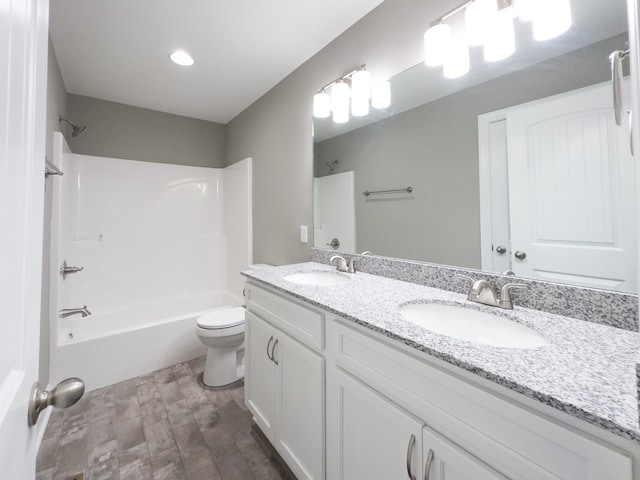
66	312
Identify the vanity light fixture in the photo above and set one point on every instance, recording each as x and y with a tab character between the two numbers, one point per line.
182	58
351	93
489	23
340	101
321	104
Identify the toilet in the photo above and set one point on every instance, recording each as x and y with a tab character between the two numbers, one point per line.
222	331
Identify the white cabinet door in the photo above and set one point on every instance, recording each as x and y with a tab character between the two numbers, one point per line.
284	390
446	461
368	436
301	403
260	373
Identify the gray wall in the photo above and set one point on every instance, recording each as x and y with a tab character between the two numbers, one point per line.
122	131
56	105
434	149
276	130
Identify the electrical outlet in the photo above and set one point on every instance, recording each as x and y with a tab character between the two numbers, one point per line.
304	237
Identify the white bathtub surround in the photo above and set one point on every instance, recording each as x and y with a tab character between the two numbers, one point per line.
156	243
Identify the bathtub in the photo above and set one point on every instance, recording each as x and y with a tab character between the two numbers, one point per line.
109	347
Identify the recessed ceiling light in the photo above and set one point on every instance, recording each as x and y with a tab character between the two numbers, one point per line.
181	58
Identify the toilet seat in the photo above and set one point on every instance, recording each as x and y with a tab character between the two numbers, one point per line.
221	319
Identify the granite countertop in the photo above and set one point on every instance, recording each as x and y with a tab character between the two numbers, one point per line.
587	370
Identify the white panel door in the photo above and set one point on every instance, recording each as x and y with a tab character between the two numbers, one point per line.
368	436
572	194
23	68
334	212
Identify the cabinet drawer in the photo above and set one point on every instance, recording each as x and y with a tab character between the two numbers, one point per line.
302	323
508	437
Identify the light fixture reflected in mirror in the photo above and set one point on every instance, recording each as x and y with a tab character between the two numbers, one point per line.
478	17
457	62
500	41
353	92
381	94
360	93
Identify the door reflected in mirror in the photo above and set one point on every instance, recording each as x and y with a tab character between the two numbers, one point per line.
520	156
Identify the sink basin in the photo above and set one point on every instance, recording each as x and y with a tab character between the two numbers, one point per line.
318	278
472	325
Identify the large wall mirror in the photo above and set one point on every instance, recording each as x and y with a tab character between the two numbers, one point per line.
516	166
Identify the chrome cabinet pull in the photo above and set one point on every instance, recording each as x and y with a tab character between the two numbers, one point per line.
427	465
268	344
412	442
501	249
273	352
616	77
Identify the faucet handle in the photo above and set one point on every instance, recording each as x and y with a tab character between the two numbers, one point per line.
351	266
505	295
465	277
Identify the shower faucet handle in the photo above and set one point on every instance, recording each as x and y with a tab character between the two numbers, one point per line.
65	270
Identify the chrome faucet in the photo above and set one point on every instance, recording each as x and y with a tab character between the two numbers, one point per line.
482	292
66	312
342	265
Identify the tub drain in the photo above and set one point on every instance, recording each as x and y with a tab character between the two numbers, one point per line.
70	335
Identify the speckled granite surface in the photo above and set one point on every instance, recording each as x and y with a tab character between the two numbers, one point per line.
599	306
587	370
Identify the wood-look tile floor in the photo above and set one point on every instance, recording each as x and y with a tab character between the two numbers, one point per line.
165	425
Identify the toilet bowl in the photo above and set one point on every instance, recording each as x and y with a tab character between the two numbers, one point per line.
222	331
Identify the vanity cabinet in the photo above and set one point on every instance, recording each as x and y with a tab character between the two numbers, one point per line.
384	410
371	437
389	393
284	383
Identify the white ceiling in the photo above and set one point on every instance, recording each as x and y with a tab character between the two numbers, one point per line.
118	50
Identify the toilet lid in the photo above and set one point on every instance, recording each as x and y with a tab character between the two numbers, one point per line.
222	318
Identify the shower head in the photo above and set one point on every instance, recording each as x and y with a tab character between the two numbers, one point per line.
77	129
